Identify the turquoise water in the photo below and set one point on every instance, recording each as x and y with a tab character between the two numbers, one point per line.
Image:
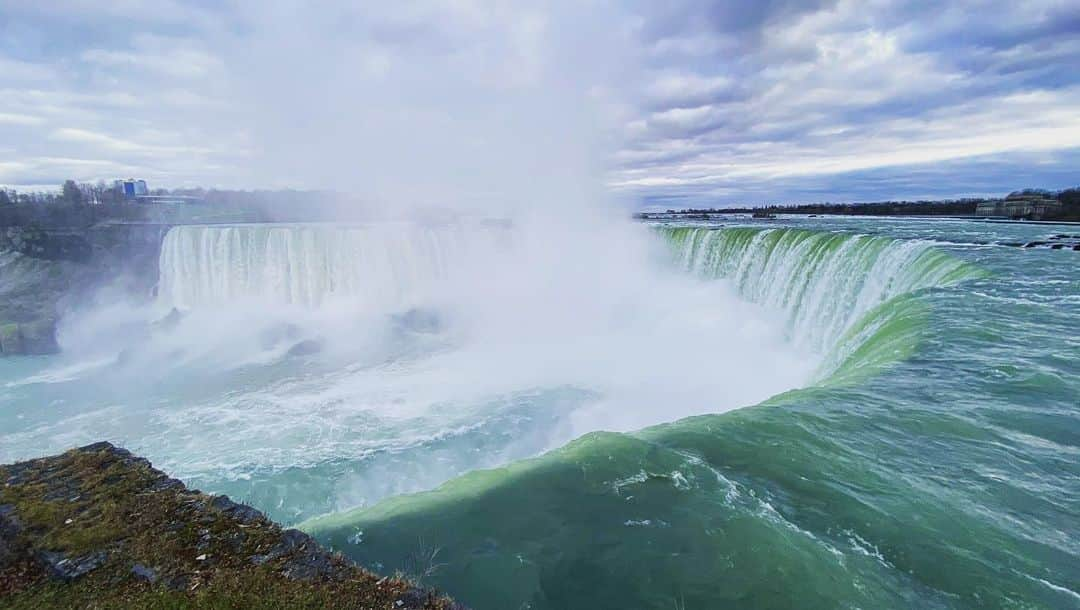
931	457
935	465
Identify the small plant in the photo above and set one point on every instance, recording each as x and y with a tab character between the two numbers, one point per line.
423	563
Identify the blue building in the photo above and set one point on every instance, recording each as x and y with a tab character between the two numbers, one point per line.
131	188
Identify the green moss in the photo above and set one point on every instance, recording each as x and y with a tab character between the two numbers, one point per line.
99	501
10	339
260	589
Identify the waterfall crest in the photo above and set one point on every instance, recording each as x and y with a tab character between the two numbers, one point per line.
824	284
383	265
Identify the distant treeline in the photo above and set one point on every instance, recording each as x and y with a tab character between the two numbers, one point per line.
77	205
1069	198
71	193
83	204
959	207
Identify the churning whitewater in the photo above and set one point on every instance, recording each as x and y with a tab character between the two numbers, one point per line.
313	368
940	431
571	416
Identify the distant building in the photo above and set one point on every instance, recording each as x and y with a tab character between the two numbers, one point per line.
90	195
131	188
995	207
1027	206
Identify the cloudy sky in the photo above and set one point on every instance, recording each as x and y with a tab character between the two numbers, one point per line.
672	103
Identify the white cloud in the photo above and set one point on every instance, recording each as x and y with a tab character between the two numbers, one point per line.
11	118
82	136
251	93
177	63
143	12
23	72
854	87
162	57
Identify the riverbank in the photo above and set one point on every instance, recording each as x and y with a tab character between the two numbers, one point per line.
97	527
720	214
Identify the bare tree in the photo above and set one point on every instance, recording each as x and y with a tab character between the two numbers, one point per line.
71	192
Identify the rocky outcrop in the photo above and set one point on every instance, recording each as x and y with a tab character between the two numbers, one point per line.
31	291
99	527
45	272
36	242
28	338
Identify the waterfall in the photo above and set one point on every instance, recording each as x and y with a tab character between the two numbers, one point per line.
832	292
378	265
824	284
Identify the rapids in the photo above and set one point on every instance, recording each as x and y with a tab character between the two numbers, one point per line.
570	415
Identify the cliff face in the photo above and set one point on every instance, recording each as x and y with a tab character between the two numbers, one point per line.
43	271
99	527
54	255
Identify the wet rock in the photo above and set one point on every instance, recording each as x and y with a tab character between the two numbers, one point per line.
8	521
29	338
307	347
106	447
177	582
39	337
10	528
68	569
419	321
277	334
125	356
241	512
17	474
204	541
170	321
166	483
412	599
418	598
314	566
291	541
10	340
144	573
62	491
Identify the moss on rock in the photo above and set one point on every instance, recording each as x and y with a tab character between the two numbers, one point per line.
97	527
10	339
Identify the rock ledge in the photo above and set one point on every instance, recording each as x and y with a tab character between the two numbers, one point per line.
99	527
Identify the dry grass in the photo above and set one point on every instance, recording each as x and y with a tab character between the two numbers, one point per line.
102	502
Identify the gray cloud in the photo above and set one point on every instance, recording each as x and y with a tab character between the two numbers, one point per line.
710	101
825	94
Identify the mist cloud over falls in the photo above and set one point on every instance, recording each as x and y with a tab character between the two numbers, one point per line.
436	104
697	101
391	356
448	123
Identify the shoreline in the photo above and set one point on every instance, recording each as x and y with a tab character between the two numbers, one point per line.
776	215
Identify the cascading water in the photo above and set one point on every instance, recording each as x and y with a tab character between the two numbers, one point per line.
414	344
850	494
822	284
377	267
313	369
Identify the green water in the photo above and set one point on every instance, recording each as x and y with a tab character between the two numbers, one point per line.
934	462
